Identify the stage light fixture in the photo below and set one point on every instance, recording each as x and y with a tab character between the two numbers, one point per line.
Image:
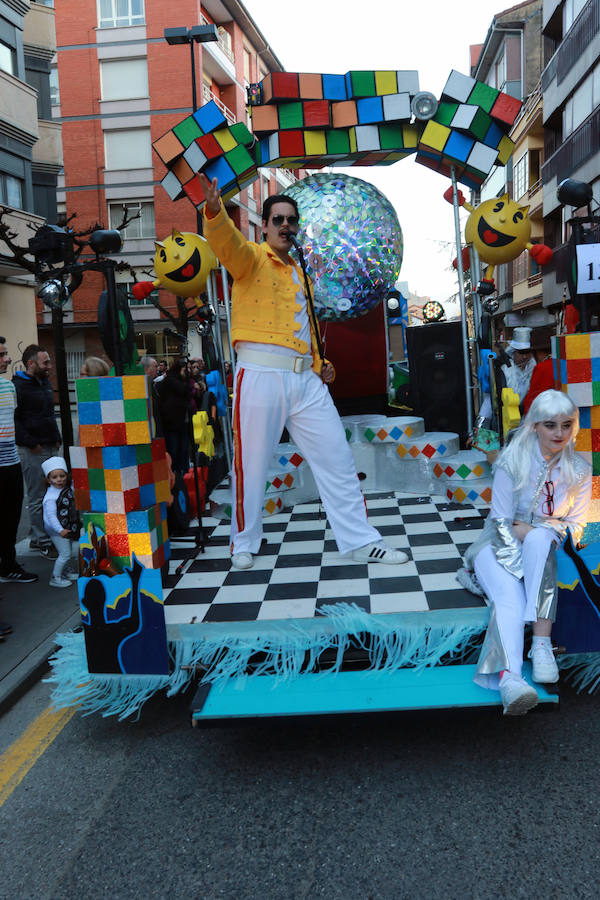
424	106
103	241
53	293
254	94
393	303
574	193
433	311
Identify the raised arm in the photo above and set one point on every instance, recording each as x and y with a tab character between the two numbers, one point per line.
236	253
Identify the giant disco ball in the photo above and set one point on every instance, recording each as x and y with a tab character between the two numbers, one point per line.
352	243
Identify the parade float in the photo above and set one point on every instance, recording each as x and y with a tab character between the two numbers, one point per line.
307	631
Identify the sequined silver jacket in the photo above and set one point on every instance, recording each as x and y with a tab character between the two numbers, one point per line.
527	505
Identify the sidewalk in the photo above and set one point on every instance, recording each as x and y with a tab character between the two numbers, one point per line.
36	612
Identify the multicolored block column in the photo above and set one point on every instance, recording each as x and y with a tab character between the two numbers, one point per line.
120	471
576	359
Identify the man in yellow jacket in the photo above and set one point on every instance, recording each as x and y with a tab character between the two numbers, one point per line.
280	381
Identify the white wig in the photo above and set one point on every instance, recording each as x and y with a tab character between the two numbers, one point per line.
516	457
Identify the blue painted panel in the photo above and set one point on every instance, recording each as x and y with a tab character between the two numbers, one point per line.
351	692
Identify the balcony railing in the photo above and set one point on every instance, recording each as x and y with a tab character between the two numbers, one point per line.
535	187
530	104
223	42
578	147
208	95
532	280
584	29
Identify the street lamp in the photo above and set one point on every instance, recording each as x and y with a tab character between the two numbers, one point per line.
197	34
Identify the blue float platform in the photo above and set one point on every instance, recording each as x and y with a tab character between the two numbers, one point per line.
441	687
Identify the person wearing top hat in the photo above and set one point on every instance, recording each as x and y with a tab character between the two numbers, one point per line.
518	375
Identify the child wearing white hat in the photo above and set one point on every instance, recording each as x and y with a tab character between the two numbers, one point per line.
60	518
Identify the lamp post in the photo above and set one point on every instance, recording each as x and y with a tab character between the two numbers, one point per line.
197	34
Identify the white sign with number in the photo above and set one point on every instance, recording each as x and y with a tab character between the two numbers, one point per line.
588	268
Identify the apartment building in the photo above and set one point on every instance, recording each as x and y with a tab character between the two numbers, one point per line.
511	59
30	153
571	109
119	87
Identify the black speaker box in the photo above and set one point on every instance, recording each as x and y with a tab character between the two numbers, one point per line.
437	376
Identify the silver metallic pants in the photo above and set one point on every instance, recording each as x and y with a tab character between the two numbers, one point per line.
514	602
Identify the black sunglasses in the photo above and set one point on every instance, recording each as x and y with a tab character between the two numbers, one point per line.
279	220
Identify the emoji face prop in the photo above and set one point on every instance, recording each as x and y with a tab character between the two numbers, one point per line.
183	263
499	229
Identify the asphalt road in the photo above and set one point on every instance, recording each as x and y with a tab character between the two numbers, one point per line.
448	804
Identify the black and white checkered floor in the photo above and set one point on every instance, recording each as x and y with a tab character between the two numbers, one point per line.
299	568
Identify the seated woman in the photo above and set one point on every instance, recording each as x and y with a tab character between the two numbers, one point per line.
541	488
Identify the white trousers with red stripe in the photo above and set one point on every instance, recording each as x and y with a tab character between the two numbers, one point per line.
266	400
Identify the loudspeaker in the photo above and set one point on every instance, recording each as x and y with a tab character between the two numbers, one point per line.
437	376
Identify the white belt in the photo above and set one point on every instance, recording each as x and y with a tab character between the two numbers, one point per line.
296	364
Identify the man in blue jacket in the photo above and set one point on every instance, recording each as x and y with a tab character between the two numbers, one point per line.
36	435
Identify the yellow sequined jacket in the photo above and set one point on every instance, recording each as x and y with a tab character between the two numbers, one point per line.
263	298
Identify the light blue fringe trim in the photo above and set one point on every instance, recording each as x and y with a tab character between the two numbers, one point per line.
287	650
583	669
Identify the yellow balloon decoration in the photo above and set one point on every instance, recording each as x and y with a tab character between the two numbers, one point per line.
182	263
500	230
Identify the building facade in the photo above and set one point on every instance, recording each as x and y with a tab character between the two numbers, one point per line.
119	87
30	154
571	104
511	59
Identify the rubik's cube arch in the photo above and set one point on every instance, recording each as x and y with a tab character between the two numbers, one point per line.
362	118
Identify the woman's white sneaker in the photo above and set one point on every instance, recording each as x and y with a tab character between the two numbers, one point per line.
379	552
543	663
518	697
242	561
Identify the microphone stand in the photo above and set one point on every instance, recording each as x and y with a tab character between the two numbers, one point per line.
307	291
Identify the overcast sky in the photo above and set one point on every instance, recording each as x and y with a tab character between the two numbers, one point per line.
430	36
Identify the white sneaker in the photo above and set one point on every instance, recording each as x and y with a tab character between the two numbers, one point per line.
379	552
518	697
70	574
544	665
60	582
242	561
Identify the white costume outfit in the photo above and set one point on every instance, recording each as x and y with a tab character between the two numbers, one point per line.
267	398
519	577
519	379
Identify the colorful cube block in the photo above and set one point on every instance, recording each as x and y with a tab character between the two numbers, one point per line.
334	88
114	411
120	479
360	84
143	532
280	86
209	117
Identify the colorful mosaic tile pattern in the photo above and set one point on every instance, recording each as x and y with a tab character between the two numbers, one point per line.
467	465
143	532
471	492
431	445
120	479
114	411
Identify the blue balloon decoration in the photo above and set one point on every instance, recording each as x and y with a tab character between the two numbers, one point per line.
352	243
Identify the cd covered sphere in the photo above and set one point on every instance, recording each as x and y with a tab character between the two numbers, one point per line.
352	243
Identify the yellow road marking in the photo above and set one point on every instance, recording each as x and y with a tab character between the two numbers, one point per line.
23	754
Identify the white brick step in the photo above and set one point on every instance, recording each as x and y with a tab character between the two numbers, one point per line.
466	465
432	445
279	479
383	430
478	491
